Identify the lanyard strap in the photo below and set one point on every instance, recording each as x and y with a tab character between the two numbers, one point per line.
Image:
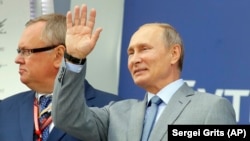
40	127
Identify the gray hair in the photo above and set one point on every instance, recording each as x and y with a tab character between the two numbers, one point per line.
55	30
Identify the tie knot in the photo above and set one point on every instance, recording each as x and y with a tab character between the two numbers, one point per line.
156	100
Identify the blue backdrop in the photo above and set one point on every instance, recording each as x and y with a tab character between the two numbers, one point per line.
216	40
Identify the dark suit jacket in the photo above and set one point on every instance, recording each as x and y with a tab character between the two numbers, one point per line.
16	115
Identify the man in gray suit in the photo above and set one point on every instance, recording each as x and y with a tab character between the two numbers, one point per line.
155	59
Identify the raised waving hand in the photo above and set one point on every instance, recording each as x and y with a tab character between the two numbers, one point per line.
80	37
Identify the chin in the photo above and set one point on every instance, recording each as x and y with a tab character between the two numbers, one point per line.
24	81
140	82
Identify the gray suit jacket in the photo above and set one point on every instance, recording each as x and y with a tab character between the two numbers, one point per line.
123	120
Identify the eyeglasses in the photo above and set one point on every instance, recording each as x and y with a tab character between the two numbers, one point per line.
27	52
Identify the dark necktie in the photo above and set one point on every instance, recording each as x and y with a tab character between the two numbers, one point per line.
150	117
45	113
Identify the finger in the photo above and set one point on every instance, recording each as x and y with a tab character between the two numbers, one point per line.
83	14
76	15
69	20
95	36
91	20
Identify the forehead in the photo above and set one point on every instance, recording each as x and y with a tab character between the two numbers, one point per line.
32	35
147	35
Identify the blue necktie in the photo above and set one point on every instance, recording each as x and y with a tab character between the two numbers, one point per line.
150	117
43	103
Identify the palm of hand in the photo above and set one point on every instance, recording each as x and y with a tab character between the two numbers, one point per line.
78	39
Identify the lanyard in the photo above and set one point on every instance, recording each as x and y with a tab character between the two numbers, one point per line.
39	128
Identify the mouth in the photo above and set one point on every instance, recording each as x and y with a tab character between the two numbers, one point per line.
139	71
21	71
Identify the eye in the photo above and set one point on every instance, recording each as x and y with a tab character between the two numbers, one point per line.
130	53
145	48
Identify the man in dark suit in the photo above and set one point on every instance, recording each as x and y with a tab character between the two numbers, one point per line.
40	53
155	59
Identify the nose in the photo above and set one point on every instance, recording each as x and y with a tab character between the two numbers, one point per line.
135	59
19	59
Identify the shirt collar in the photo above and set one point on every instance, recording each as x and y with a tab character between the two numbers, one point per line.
168	91
38	95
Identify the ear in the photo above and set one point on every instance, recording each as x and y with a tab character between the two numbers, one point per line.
59	54
175	53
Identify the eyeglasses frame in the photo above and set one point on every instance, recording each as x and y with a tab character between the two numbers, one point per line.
35	50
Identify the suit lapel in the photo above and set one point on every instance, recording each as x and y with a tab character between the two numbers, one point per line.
179	101
56	134
136	121
26	119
